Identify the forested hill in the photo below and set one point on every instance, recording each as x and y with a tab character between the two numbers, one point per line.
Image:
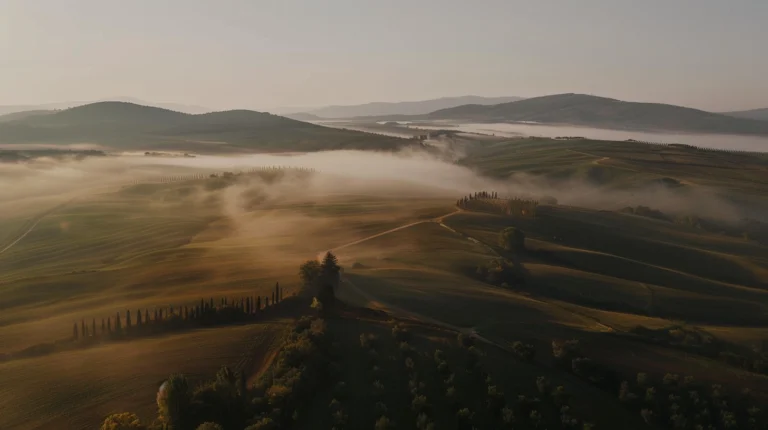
587	110
131	126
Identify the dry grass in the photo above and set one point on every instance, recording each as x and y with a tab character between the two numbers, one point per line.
76	390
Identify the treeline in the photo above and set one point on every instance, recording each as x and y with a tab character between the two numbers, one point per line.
276	401
746	228
205	312
669	402
264	170
143	322
484	201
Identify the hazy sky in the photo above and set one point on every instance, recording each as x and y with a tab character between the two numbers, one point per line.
709	54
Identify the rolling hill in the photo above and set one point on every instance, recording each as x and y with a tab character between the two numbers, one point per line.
191	109
403	108
127	125
587	110
758	114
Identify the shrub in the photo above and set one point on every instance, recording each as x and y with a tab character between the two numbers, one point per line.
525	352
122	421
542	384
419	404
263	424
383	423
380	409
512	239
464	340
400	333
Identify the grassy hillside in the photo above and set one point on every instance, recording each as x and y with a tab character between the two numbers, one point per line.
580	109
127	125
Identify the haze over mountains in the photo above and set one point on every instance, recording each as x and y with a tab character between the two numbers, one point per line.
398	108
131	126
602	112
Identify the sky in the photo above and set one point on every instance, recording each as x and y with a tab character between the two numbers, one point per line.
261	54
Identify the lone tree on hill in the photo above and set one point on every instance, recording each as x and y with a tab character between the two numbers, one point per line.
512	239
330	269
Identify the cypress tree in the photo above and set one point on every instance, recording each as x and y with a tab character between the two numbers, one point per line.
127	320
277	291
118	323
266	299
83	332
138	318
211	307
146	316
273	297
93	328
109	325
103	326
247	305
202	306
258	303
74	332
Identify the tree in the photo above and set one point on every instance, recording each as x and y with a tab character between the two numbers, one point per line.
118	323
93	327
74	332
383	423
138	318
309	272
123	421
258	303
330	269
109	325
127	320
277	292
209	426
512	239
83	331
103	326
173	401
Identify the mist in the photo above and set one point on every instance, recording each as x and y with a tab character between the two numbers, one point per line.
410	172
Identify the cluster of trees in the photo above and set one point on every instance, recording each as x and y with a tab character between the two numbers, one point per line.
548	409
205	312
274	402
266	172
670	402
320	280
484	201
477	195
698	341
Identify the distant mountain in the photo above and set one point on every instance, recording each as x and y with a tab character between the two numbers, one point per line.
66	105
131	126
404	108
24	114
758	114
303	116
587	110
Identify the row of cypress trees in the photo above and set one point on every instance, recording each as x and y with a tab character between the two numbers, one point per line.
206	312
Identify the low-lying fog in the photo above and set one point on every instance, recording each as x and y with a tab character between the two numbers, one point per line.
716	141
359	172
